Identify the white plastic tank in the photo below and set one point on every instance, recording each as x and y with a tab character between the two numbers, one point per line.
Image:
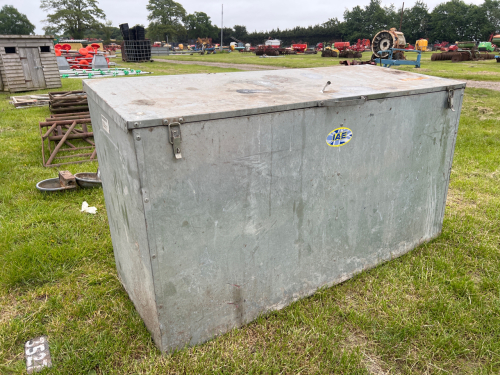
273	42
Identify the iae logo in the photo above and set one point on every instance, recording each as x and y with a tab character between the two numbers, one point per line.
339	137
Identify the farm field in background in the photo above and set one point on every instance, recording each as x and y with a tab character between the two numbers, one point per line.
433	310
487	70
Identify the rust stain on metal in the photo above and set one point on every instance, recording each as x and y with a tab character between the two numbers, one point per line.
70	121
66	179
413	79
59	133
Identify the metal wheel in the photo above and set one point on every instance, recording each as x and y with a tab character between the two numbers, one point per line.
382	42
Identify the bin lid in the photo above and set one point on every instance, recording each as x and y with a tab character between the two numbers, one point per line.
136	102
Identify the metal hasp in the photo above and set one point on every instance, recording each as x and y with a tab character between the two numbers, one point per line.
389	61
285	188
451	93
174	131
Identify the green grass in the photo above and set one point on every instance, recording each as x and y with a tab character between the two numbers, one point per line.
485	70
488	70
159	68
434	310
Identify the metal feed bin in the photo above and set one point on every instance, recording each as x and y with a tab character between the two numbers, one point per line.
233	194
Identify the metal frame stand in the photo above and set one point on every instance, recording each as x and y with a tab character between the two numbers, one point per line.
389	61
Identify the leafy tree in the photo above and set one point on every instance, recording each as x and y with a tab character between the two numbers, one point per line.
73	16
353	27
104	33
159	32
199	25
165	19
227	32
331	23
416	22
166	12
240	32
49	30
455	20
365	22
107	30
491	23
14	23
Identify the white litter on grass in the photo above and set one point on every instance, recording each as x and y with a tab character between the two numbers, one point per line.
86	208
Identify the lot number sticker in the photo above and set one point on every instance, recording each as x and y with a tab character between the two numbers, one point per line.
37	354
105	124
339	137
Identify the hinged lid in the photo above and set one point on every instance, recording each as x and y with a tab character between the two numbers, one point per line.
149	101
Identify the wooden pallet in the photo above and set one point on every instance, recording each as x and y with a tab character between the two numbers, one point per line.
68	102
26	101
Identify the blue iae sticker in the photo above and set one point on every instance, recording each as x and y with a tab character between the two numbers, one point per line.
339	137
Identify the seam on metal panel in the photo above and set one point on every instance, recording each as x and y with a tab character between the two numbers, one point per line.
452	153
300	106
142	183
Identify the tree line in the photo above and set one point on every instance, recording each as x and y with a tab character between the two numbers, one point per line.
449	21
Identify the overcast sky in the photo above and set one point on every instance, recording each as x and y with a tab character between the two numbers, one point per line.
256	15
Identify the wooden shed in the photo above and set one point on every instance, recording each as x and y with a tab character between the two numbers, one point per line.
28	62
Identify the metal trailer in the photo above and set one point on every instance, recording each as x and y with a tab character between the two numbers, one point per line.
232	194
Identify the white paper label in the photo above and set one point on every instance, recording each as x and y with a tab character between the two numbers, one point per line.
105	124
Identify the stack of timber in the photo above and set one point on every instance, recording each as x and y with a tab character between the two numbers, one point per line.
26	101
28	62
68	102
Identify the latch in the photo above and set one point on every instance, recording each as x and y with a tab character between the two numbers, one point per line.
174	134
451	92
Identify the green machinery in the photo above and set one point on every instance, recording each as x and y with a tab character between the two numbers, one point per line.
485	46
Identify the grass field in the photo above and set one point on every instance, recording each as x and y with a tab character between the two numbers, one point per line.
434	310
488	70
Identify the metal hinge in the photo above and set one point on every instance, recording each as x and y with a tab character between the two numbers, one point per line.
174	134
451	92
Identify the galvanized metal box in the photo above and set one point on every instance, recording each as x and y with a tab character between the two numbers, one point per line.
229	195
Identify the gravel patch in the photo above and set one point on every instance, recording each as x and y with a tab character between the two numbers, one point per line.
484	85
